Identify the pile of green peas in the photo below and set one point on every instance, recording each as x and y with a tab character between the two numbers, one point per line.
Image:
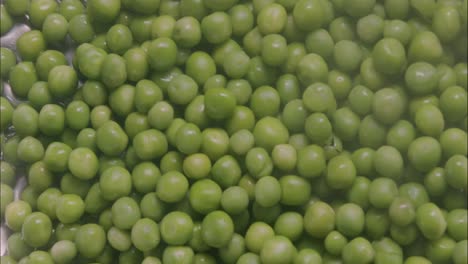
235	131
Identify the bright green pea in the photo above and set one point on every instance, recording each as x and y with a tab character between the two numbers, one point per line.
455	171
370	28
83	163
421	78
424	153
217	229
236	64
8	60
241	141
187	32
80	29
242	118
382	192
55	28
308	14
205	196
312	68
430	221
389	56
178	254
36	229
188	138
311	161
258	162
453	103
22	76
63	251
446	23
145	234
269	132
425	46
242	19
172	187
115	182
100	115
160	115
219	103
388	162
400	135
216	27
319	220
234	200
340	172
260	74
319	97
111	139
429	120
90	232
182	89
391	98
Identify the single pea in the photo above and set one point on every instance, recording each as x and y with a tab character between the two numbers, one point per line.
122	100
90	232
260	74
178	254
137	64
312	68
6	113
197	166
320	42
394	101
7	173
226	171
215	143
145	175
217	229
377	223
172	187
453	142
425	46
119	38
90	62
455	171
7	196
421	78
62	81
55	28
215	81
205	196
77	115
70	208
30	44
17	8
83	163
340	83
389	56
111	139
22	76
319	220
135	123
341	172
242	19
456	224
115	182
182	89
216	27
402	212
347	55
70	184
52	120
311	161
145	234
430	221
335	242
370	28
424	153
342	28
461	70
150	144
219	103
187	32
234	200
350	220
125	213
7	62
30	149
460	254
160	115
382	192
188	138
113	71
241	118
398	29
36	229
429	120
39	177
63	251
176	228
278	249
453	103
319	97
359	192
241	141
70	8
358	250
388	162
294	116
152	207
308	14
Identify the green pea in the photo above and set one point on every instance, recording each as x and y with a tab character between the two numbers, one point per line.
30	44
205	196
382	192
308	14
187	32
172	187
160	115
425	46
55	28
455	171
70	8
311	161
393	100
242	19
215	143
22	76
90	232
312	68
80	29
219	103
430	221
453	103
319	220
115	182
111	139
63	251
36	229
258	162
178	254
17	8
226	171
236	64
429	120
241	141
234	200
